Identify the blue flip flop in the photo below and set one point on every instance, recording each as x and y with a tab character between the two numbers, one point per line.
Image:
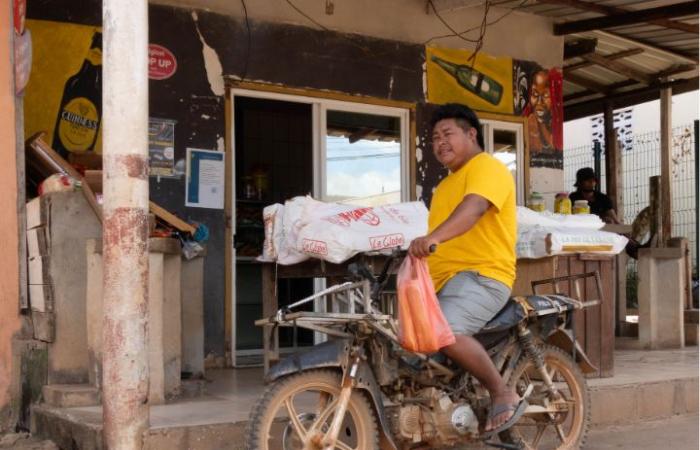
518	411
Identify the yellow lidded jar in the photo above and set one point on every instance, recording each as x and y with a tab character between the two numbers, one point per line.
562	203
581	207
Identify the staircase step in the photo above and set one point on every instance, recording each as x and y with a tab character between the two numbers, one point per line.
71	395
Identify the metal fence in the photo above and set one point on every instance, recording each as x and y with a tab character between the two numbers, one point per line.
642	162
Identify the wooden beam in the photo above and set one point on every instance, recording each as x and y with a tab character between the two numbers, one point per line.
675	70
627	18
613	162
587	83
611	88
611	57
627	98
618	67
666	149
609	10
579	47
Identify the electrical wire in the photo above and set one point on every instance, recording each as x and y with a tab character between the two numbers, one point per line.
493	22
247	55
309	18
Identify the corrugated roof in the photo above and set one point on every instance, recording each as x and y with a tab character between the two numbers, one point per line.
655	52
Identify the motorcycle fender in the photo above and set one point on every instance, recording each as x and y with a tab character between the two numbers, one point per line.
562	339
335	354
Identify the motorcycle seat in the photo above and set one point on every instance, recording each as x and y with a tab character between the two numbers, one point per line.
517	308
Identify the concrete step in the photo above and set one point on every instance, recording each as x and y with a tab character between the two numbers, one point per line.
208	424
70	395
616	404
81	428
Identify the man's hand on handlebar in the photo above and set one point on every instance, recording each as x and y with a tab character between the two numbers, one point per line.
422	246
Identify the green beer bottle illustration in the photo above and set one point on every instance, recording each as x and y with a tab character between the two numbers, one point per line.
472	80
80	111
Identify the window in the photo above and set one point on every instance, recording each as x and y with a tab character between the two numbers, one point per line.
504	140
362	164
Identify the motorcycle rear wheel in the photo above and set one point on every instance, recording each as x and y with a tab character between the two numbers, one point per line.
563	430
306	396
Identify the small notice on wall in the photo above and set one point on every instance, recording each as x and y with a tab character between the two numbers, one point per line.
205	179
161	147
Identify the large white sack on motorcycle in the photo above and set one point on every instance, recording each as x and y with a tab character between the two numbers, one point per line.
528	217
298	213
273	220
338	236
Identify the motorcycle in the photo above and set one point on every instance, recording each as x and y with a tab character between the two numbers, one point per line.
361	390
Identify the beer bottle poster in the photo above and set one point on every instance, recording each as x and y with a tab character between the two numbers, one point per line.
485	83
64	92
161	147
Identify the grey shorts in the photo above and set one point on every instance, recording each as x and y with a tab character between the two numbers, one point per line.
470	300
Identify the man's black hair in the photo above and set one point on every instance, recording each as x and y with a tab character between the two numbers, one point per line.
463	115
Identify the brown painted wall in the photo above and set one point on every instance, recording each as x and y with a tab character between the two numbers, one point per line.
9	244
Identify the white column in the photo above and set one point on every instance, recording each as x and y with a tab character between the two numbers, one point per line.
125	226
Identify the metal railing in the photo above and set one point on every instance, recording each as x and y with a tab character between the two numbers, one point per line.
642	162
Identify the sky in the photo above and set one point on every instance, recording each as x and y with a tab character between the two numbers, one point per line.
646	117
377	168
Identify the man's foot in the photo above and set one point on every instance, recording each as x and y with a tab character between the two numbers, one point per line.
503	406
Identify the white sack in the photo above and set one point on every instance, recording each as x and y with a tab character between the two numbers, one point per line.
344	232
528	217
539	242
273	220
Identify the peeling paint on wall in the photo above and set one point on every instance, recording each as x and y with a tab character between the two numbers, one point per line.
212	63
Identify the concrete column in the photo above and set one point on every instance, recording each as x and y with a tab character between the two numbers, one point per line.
125	227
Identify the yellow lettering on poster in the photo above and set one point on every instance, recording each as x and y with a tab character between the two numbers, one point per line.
59	51
485	85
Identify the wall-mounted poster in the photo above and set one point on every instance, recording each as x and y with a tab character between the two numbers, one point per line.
205	179
537	95
161	147
64	93
484	84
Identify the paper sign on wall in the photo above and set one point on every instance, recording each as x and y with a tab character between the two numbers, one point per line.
205	179
161	147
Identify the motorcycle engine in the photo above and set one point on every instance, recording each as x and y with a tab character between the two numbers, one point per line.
435	419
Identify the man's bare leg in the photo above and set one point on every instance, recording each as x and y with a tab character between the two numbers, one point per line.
471	355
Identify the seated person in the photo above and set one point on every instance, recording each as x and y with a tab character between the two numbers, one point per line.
600	204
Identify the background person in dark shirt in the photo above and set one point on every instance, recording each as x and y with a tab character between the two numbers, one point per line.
600	204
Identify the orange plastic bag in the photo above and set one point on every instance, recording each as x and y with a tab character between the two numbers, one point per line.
422	326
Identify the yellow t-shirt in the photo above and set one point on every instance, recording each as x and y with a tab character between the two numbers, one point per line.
489	246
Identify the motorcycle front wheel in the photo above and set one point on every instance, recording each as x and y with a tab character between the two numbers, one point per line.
295	413
562	430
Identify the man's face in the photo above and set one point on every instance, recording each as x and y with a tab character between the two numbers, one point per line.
452	145
539	95
587	185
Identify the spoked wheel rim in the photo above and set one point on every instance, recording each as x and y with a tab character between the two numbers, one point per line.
560	430
296	415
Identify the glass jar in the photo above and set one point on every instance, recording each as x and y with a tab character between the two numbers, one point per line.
536	202
562	203
581	207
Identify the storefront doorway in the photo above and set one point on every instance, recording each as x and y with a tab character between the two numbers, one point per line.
287	145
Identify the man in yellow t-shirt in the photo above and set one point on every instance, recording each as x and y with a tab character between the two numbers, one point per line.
472	218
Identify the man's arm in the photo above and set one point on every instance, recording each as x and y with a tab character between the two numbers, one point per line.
609	216
462	219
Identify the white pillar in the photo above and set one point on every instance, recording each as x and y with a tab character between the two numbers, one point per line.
125	226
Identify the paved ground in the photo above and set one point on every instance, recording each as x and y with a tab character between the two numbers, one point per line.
678	433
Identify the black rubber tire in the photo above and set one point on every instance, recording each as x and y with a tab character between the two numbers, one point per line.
262	414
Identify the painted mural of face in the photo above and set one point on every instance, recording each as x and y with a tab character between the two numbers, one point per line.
540	100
